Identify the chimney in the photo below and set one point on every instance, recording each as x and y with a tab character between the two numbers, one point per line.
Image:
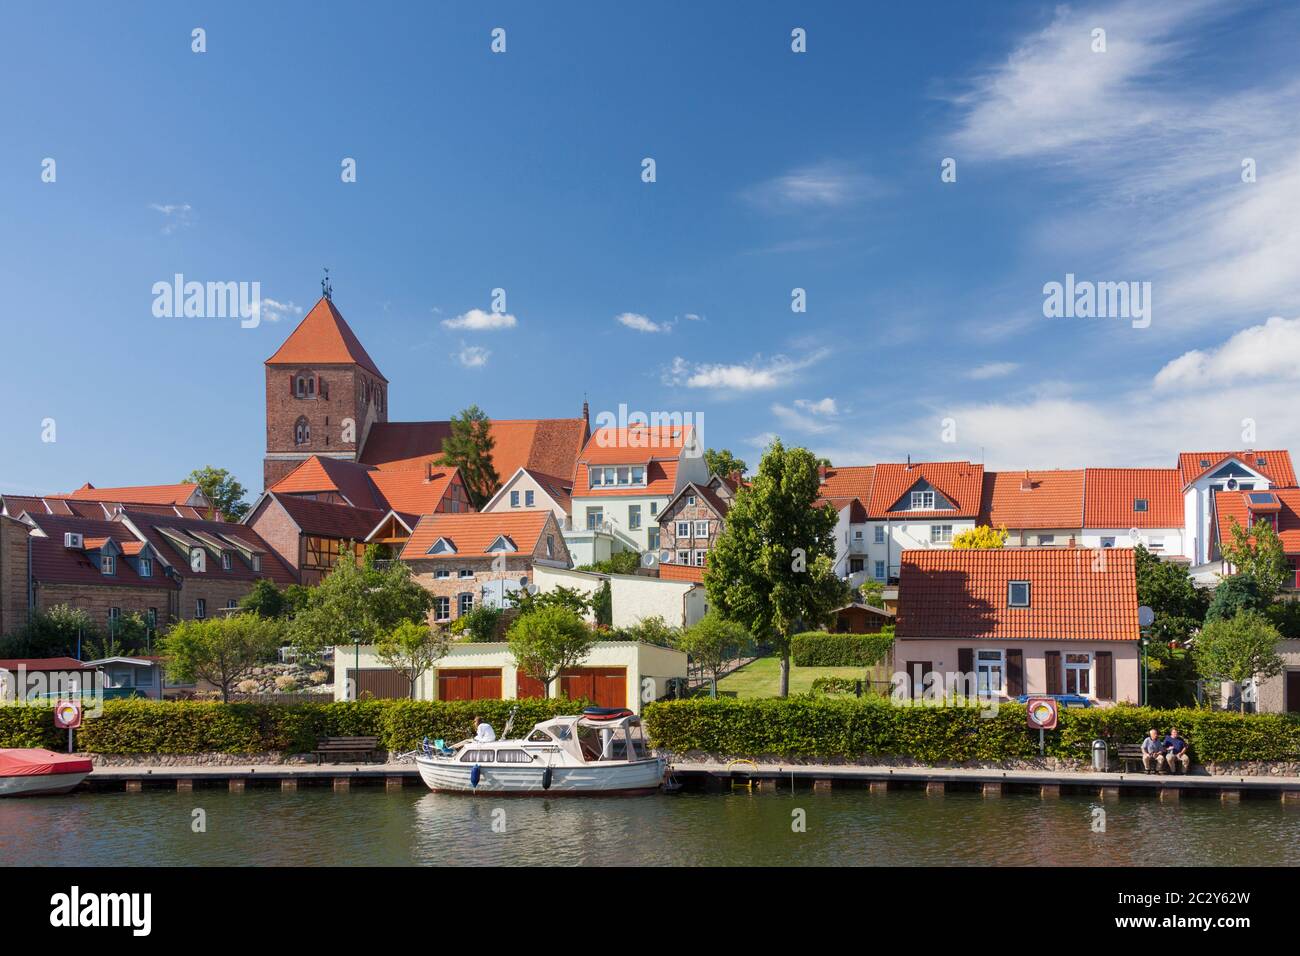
1026	483
428	470
909	461
821	473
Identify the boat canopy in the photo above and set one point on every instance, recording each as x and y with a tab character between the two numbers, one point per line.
35	762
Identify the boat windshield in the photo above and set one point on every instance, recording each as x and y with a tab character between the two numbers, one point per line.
615	742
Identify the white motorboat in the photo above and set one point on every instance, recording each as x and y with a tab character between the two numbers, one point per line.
600	751
30	771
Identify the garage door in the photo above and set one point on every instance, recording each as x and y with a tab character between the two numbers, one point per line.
604	686
526	687
469	684
378	683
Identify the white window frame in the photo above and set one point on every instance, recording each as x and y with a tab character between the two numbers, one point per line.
940	533
690	501
466	574
1028	602
634	517
880	534
701	529
146	567
462	599
595	518
438	613
684	556
1077	668
227	562
1108	541
684	530
442	574
699	556
919	501
986	660
107	564
879	570
638	474
200	609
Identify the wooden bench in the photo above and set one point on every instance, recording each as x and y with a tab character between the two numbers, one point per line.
1132	754
346	745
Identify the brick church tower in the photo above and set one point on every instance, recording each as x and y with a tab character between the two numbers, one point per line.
323	393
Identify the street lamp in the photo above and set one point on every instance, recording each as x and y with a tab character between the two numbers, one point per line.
1146	617
1145	641
355	634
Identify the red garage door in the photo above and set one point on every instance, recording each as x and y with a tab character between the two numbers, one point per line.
469	684
605	686
526	686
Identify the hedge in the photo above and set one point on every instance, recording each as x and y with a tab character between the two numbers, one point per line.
852	728
820	649
194	727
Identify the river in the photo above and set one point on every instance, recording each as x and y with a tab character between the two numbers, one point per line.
372	826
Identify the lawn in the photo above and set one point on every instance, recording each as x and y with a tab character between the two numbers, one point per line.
762	678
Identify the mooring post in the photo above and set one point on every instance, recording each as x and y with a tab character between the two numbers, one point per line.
342	783
1171	793
934	788
134	786
184	785
236	784
991	790
288	783
393	783
822	785
879	786
1049	791
1230	796
1110	793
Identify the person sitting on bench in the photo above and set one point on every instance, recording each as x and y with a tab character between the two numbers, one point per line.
1176	752
1153	752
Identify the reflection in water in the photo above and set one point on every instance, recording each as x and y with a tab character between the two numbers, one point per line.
375	827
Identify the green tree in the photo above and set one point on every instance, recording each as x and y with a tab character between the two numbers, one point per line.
411	649
220	650
712	643
873	592
1235	594
225	493
1258	553
980	538
772	568
649	630
483	623
723	463
469	448
265	600
1166	587
576	601
547	641
358	600
1239	649
58	632
621	562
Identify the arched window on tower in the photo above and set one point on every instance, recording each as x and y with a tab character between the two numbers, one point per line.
301	432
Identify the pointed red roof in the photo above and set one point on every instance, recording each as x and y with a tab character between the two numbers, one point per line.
324	338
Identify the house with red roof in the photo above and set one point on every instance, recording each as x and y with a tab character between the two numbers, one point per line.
691	522
528	489
1037	508
1014	621
1125	507
181	500
1202	474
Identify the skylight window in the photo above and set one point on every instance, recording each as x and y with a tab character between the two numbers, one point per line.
1139	504
1018	594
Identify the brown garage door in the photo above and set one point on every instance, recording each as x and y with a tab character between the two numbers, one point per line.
526	687
1293	692
605	686
378	683
465	683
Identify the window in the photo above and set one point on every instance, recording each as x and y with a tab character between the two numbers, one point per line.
701	529
595	477
638	474
300	386
230	604
513	756
550	545
225	561
1261	462
1046	540
690	501
609	475
528	499
699	557
683	529
1139	504
988	673
1018	594
595	518
108	564
200	609
880	534
301	432
442	574
465	603
514	499
1108	541
857	534
1078	674
652	535
539	737
923	501
146	567
880	571
466	573
151	617
624	475
1158	544
683	557
940	533
855	565
442	609
654	507
634	516
257	562
478	756
113	614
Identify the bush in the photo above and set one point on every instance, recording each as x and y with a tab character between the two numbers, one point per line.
820	649
834	685
848	728
195	727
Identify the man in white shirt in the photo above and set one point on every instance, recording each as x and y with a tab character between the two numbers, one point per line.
483	732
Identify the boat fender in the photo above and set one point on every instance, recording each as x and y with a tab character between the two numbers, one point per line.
474	773
546	778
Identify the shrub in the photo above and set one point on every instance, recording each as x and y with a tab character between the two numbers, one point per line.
834	685
820	649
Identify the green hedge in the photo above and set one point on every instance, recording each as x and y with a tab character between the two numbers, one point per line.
820	649
850	728
193	727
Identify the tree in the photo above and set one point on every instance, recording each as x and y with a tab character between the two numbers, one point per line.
575	600
1166	587
772	568
483	623
981	537
469	448
61	631
650	630
723	463
621	562
546	641
873	592
1235	594
220	650
712	642
264	600
411	649
1258	553
225	493
358	601
1239	649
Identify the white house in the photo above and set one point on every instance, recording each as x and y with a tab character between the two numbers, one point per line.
1203	473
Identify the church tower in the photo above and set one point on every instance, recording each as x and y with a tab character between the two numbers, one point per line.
323	392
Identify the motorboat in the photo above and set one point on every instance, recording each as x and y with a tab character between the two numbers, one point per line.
600	751
29	771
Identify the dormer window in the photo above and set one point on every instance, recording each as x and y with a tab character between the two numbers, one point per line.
107	564
638	474
923	501
442	546
146	567
1018	594
1139	504
226	561
502	543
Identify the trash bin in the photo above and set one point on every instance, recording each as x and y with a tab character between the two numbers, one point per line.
1100	757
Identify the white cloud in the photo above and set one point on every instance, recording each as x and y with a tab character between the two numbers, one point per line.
825	406
476	320
1268	351
177	215
692	317
473	356
273	310
750	376
642	323
992	370
824	186
803	418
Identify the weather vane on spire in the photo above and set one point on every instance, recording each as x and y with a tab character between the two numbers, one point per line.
326	287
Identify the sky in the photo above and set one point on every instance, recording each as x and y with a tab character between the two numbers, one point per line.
1116	142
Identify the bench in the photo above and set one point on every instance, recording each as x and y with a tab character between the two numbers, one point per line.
345	745
1132	754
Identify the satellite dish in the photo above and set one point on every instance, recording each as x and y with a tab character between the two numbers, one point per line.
1146	616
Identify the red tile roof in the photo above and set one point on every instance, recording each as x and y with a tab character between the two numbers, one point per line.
547	445
327	519
681	572
1234	504
962	595
472	534
961	482
852	482
1032	499
43	664
1109	495
217	534
324	338
636	444
317	475
1276	467
178	494
660	479
52	563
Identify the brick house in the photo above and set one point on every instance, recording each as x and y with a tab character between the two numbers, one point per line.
309	536
184	500
469	559
691	522
13	575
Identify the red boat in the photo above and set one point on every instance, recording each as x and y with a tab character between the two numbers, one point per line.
31	770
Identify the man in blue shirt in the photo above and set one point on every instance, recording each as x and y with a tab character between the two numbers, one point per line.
1176	752
1153	752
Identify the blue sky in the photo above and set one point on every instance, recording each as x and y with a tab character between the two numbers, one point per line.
775	170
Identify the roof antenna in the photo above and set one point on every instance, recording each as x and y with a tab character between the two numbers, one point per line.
326	287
